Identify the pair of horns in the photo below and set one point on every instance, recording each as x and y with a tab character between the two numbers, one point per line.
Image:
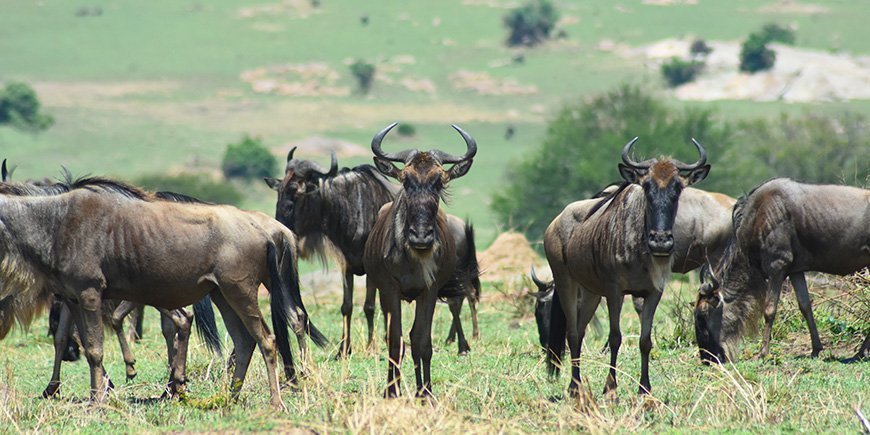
333	165
647	163
404	156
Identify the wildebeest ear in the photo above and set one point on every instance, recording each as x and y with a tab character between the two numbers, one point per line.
698	174
387	167
459	169
632	175
273	183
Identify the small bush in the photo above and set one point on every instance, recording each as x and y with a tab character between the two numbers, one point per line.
406	130
755	55
678	71
772	32
199	186
20	108
531	23
699	49
248	159
364	73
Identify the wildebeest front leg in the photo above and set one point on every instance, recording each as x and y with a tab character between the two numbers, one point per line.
390	306
346	313
421	342
802	293
774	290
88	317
369	309
61	340
455	305
614	309
121	311
650	303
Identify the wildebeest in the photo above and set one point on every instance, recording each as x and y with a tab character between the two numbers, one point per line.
106	239
333	211
701	231
782	228
410	254
610	247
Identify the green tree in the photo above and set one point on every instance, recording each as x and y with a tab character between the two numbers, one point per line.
755	55
248	159
199	186
531	23
20	108
582	148
677	71
772	32
364	73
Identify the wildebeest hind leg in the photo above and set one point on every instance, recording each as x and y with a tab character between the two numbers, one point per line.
118	315
455	305
346	312
243	343
182	321
369	309
771	303
802	293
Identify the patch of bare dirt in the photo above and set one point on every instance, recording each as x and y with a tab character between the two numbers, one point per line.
70	94
793	7
508	259
482	83
314	79
292	8
799	74
322	146
669	2
497	4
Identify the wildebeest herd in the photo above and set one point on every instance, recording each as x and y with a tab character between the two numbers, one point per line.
100	249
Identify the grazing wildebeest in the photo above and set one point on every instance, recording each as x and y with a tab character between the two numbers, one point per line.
105	239
410	254
610	247
333	211
782	228
701	231
175	323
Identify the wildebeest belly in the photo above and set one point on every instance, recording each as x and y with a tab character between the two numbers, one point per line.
161	294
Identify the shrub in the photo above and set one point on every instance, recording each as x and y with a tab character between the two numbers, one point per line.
199	186
531	23
582	147
772	32
406	130
699	48
755	55
19	107
248	159
678	71
364	73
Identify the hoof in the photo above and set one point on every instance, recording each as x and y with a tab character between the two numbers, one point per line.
131	375
51	391
342	354
391	393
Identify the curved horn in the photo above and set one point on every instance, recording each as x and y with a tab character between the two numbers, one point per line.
701	160
333	164
470	144
290	154
536	280
376	146
5	172
628	161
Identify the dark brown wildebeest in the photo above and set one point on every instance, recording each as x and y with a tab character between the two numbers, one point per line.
701	232
410	254
332	212
610	247
106	239
782	228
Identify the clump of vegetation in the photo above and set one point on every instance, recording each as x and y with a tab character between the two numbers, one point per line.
772	32
248	159
200	186
699	49
406	130
364	73
20	108
678	71
755	55
531	23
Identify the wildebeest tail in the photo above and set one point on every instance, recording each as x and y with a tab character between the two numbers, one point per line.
466	273
285	285
15	309
206	326
470	263
558	332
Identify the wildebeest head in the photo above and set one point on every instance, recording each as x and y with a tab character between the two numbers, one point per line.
708	319
662	180
423	179
301	178
543	303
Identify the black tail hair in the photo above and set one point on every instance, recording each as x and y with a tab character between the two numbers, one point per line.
206	326
558	331
285	291
470	262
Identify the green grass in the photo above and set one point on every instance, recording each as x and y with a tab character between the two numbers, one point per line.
500	386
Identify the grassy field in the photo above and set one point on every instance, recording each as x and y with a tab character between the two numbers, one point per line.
501	386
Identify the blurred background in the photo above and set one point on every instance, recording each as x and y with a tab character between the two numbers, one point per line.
207	97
